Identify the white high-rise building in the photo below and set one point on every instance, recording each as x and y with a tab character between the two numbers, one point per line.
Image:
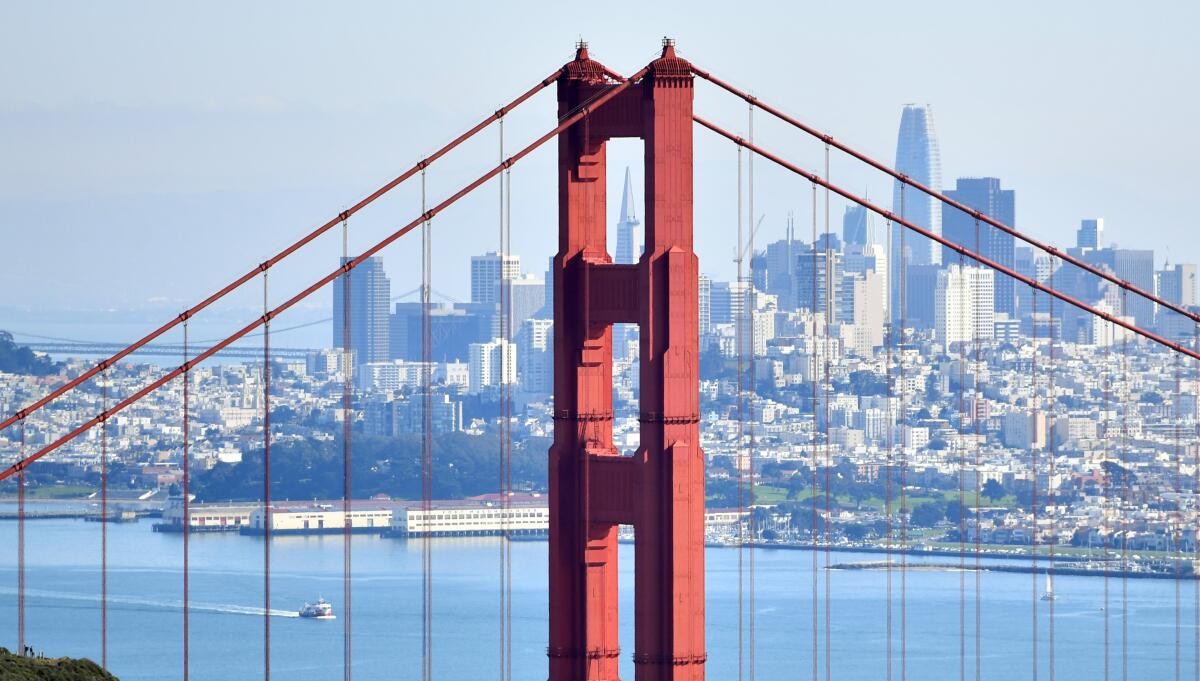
705	295
535	354
919	157
963	305
491	364
486	273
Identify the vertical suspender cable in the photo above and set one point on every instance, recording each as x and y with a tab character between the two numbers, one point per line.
347	453
903	465
1052	510
1105	482
1125	494
21	546
827	386
504	293
503	494
508	442
748	305
187	509
962	469
426	446
266	514
1196	531
1035	405
739	460
978	371
818	337
104	520
1177	529
891	423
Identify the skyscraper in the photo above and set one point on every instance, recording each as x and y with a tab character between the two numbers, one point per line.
629	233
1135	266
486	272
827	280
491	364
985	195
854	225
919	157
1178	284
629	251
1090	234
370	300
963	306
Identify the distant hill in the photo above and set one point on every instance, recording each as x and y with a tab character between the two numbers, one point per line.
17	668
18	359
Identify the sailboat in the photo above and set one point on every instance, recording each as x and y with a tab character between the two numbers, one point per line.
1048	594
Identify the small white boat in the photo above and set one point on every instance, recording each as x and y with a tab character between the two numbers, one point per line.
321	610
1048	594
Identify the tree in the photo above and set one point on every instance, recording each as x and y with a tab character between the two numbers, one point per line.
927	514
18	359
994	490
953	509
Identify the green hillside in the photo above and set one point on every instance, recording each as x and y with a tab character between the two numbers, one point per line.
16	668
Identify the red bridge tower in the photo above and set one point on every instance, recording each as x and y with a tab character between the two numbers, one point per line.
593	489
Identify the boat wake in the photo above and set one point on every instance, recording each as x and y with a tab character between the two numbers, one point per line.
146	603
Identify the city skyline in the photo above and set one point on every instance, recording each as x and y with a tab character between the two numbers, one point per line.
238	194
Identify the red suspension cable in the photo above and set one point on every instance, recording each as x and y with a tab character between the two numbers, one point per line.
104	521
739	461
565	123
21	548
748	306
977	214
978	489
187	514
347	430
903	460
827	387
1052	511
817	349
957	248
237	283
426	447
1037	411
266	483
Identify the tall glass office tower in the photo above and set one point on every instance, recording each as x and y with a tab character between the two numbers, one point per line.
919	157
370	299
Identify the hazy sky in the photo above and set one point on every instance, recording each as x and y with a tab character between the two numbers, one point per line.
149	152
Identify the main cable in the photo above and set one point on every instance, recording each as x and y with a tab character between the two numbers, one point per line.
237	283
567	122
946	200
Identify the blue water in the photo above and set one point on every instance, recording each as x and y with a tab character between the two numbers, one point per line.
145	639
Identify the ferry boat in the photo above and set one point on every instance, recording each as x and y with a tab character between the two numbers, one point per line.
321	610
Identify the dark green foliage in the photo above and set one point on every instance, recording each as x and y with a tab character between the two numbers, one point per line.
928	514
17	668
463	465
993	490
18	359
